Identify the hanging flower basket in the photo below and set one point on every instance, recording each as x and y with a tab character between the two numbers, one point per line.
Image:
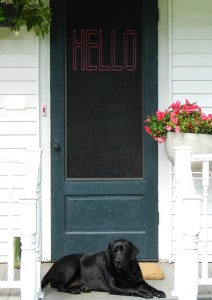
9	13
179	118
181	124
32	14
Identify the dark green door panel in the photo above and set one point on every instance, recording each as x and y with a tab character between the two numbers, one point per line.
101	192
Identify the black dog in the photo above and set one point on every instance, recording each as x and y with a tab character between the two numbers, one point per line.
115	271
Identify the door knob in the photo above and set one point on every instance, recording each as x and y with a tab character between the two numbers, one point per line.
57	147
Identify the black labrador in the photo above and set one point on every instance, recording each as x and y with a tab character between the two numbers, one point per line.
115	271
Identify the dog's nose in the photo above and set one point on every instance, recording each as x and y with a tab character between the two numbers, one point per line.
118	261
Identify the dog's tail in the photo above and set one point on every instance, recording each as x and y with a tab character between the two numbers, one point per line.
46	279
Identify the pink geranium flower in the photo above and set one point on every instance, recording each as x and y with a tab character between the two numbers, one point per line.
177	129
168	128
160	115
180	118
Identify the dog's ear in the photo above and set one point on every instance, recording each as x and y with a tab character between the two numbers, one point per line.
134	250
107	251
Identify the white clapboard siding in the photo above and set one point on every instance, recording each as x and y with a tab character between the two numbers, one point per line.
5	207
18	88
24	74
201	19
192	60
18	141
16	46
4	194
5	153
17	60
191	71
187	86
11	128
192	46
204	98
184	33
19	116
29	115
195	6
31	101
24	36
18	183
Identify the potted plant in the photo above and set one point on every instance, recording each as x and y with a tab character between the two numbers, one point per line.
30	13
181	124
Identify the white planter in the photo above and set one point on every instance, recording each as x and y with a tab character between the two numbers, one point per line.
200	144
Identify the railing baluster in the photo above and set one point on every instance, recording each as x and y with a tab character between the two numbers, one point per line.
205	184
10	223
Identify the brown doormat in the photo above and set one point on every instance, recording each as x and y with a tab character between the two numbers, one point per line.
151	271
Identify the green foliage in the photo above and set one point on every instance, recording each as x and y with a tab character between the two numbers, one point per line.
2	18
32	14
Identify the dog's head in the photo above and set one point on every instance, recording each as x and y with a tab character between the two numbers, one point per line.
120	254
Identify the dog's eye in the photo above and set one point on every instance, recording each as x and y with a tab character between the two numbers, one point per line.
122	249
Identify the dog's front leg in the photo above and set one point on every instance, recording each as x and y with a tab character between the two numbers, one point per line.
145	286
117	289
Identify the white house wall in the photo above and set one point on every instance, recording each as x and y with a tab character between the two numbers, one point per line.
190	24
19	113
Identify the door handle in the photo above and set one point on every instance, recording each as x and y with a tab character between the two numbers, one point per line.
56	146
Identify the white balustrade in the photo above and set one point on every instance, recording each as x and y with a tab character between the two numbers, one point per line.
188	202
9	167
206	160
29	204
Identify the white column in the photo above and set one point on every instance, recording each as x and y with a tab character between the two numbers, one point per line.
188	255
187	227
28	244
30	229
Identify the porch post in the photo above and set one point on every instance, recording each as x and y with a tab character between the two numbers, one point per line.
30	229
187	227
28	244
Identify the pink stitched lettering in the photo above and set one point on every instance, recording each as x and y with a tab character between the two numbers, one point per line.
78	45
89	51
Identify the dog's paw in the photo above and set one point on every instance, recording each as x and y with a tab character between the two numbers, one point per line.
75	290
146	294
159	294
85	289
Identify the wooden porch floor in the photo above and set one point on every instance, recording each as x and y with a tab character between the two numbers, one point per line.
205	292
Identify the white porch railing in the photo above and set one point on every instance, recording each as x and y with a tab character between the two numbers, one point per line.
188	203
29	231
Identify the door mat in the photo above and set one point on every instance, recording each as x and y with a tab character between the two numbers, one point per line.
151	271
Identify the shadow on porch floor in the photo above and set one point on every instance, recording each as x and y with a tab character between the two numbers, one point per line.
205	292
